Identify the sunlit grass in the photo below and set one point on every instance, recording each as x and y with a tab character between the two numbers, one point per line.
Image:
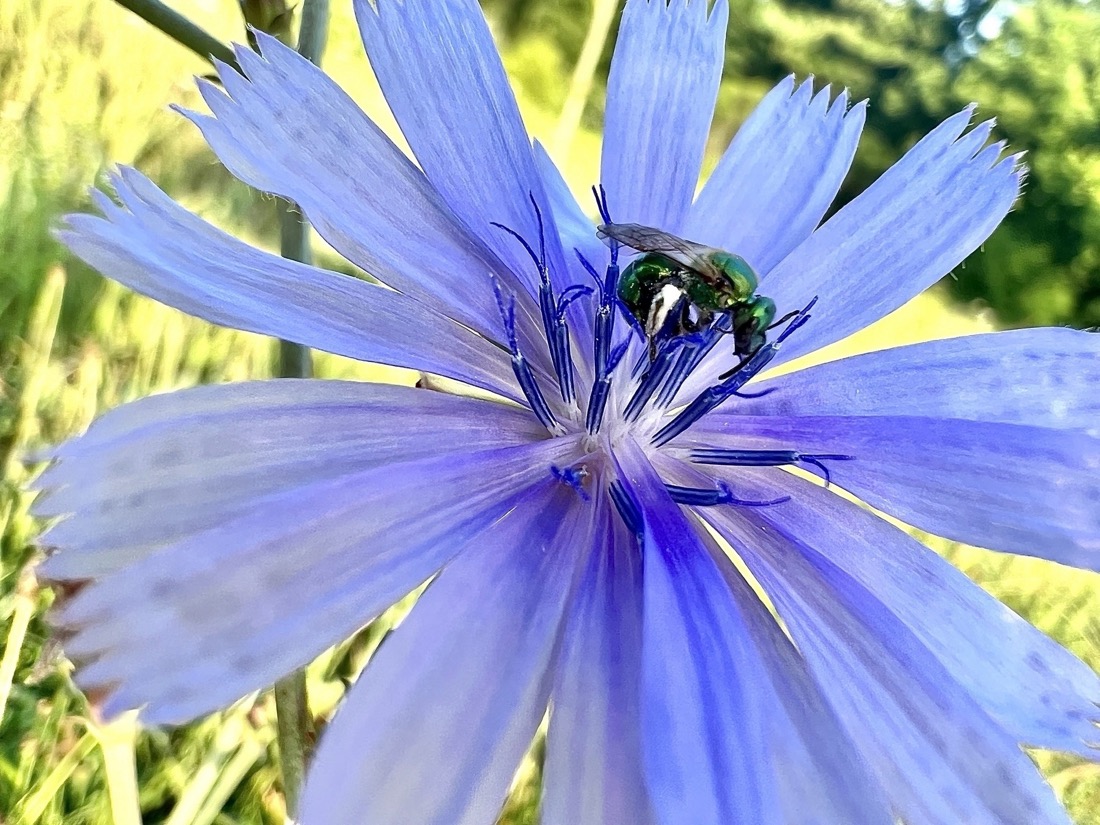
85	85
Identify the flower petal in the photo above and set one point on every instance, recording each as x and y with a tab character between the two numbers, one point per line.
806	768
703	697
819	774
906	231
444	82
290	130
1041	377
1037	690
158	248
439	720
593	773
660	100
165	467
779	175
1005	486
199	623
937	753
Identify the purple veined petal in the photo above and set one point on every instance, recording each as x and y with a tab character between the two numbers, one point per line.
820	776
816	773
593	773
438	722
660	100
290	130
779	175
1041	377
199	623
442	77
704	693
939	756
156	247
159	469
1037	690
1026	490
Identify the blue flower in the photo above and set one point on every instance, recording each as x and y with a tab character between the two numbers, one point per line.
232	533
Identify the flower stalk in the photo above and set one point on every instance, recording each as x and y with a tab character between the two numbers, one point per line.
294	724
180	29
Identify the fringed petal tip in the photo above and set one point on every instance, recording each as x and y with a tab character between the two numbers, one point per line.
919	220
766	196
790	92
283	126
661	94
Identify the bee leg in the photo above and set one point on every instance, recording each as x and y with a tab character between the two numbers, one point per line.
783	320
734	371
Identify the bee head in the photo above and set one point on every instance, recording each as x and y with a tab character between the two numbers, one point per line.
750	324
738	272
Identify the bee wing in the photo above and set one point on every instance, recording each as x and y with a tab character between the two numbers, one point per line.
691	255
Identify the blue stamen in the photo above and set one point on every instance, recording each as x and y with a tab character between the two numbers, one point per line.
800	318
666	357
597	403
573	476
627	507
685	358
520	367
691	358
711	397
553	317
604	327
617	355
697	497
600	194
590	269
731	382
568	296
522	240
766	458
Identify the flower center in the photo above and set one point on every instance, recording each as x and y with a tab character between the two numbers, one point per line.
650	383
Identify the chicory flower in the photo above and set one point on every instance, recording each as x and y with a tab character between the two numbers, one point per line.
232	533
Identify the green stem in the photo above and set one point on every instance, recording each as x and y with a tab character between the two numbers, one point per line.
116	740
291	701
180	29
294	359
293	731
313	33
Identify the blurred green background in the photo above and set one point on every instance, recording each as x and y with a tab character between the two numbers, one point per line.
86	84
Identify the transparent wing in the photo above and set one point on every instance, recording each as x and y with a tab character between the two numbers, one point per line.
694	256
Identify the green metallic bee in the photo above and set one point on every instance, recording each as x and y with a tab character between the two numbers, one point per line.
678	287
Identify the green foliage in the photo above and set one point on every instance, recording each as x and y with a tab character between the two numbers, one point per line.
1041	78
84	85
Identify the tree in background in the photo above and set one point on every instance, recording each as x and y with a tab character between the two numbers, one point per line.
1042	78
